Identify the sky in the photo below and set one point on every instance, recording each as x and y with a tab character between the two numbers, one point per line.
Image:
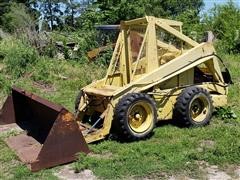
210	3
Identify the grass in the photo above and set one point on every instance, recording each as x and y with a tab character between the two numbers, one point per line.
171	150
56	80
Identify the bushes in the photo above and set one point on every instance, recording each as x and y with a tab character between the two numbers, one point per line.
17	56
223	20
84	41
4	84
17	18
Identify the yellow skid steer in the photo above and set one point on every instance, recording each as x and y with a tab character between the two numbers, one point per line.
156	73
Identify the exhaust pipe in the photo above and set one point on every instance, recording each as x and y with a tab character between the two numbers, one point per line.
51	135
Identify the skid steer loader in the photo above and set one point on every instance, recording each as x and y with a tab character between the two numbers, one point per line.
156	73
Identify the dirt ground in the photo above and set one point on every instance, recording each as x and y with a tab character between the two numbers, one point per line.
209	172
67	173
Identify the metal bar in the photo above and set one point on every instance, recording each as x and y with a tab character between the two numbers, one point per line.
139	55
93	126
176	33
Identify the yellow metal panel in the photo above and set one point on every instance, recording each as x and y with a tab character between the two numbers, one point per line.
186	78
219	100
126	54
135	21
152	47
166	100
171	83
220	88
104	131
165	107
170	22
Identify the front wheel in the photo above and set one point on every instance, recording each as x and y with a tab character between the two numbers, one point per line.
135	116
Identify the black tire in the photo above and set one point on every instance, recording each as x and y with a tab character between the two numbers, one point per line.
135	116
77	101
194	107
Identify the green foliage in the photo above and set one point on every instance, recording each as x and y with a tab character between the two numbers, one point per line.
43	71
51	11
223	20
225	113
50	50
71	10
173	8
59	80
89	18
191	24
4	7
4	84
103	59
86	41
17	55
64	14
114	11
17	18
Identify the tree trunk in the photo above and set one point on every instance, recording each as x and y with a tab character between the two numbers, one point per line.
72	13
72	17
50	13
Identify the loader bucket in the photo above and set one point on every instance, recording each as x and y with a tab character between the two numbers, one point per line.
51	136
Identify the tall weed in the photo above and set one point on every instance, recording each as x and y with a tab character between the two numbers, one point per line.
17	56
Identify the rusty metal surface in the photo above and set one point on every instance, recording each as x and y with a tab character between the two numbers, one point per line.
32	113
7	114
51	137
64	141
26	147
40	100
136	43
95	52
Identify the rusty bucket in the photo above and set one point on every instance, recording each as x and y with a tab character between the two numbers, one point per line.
51	136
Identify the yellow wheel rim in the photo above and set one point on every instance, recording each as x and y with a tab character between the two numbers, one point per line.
140	116
199	108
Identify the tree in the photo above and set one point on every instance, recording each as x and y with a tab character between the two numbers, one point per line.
113	11
5	7
60	12
17	18
223	20
51	10
172	8
72	9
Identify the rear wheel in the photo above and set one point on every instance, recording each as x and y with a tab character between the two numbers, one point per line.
135	116
193	107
